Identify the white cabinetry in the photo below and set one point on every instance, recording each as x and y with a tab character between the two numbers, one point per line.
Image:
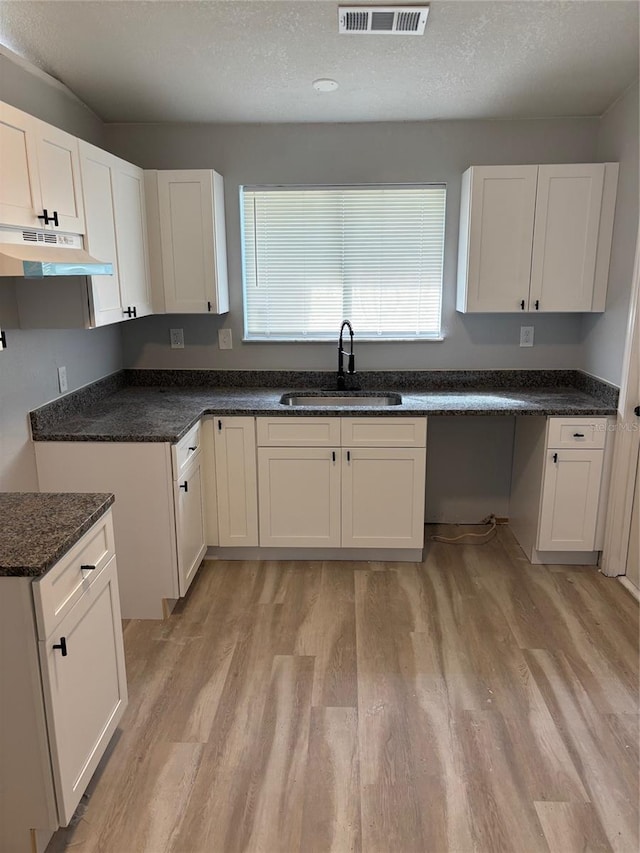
341	482
559	486
116	231
535	238
160	536
39	171
63	685
236	481
188	241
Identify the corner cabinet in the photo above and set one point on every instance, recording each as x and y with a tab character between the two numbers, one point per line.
64	686
535	238
188	241
40	183
116	231
160	527
559	489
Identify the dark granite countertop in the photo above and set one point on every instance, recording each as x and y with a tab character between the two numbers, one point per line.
165	412
36	529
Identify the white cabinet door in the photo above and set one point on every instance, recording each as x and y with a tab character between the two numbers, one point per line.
20	201
131	236
299	496
190	523
194	252
100	239
565	242
60	182
496	233
85	689
383	497
236	481
569	502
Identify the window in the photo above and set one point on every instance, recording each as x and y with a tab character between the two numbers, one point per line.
314	256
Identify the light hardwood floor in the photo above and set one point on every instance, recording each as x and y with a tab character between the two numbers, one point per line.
472	702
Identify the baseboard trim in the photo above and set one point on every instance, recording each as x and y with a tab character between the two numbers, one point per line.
377	555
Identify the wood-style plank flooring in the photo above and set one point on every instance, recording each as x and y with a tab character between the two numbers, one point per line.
471	702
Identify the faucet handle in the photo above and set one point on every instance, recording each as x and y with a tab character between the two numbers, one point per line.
352	363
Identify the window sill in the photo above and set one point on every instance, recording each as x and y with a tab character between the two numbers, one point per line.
334	341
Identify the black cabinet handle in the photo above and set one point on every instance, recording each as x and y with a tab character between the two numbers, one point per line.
185	486
219	426
555	457
348	456
191	449
333	455
3	340
578	435
537	304
636	411
62	645
135	311
208	306
47	219
130	312
522	305
87	568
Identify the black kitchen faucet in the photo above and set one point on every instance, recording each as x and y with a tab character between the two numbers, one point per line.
352	361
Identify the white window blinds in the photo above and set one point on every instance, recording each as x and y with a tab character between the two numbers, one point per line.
315	256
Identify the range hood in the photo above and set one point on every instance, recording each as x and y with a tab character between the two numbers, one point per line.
28	253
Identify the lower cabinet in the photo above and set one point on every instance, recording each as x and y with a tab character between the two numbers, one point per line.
63	686
160	535
236	486
356	488
559	488
299	496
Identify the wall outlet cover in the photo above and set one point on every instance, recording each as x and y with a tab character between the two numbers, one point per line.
62	380
526	336
225	339
176	337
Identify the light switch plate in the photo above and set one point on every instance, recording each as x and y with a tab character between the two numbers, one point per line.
176	337
225	339
526	336
62	380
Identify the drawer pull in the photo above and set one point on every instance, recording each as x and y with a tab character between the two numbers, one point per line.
348	456
522	305
578	435
62	645
555	457
87	568
192	449
333	455
185	485
219	426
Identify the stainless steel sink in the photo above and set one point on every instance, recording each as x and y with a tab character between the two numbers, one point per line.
338	400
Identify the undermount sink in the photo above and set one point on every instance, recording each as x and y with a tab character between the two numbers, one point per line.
337	400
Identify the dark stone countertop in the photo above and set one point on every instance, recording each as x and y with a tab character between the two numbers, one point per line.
36	529
165	413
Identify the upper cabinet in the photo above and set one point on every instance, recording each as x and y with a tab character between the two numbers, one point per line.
40	184
188	241
116	231
535	238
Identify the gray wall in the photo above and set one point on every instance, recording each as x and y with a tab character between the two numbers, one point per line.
28	374
352	153
604	334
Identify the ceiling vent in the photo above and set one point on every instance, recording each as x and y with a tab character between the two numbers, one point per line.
383	20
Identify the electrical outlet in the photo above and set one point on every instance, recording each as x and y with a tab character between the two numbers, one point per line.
176	337
62	380
225	339
526	336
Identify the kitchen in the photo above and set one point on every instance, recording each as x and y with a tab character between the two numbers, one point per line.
300	152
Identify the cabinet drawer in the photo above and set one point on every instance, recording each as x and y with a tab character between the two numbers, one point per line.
61	587
384	432
185	450
298	432
577	432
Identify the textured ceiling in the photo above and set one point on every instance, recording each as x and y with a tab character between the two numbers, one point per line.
255	60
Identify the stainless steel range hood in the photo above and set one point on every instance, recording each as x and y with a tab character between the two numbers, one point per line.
28	253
